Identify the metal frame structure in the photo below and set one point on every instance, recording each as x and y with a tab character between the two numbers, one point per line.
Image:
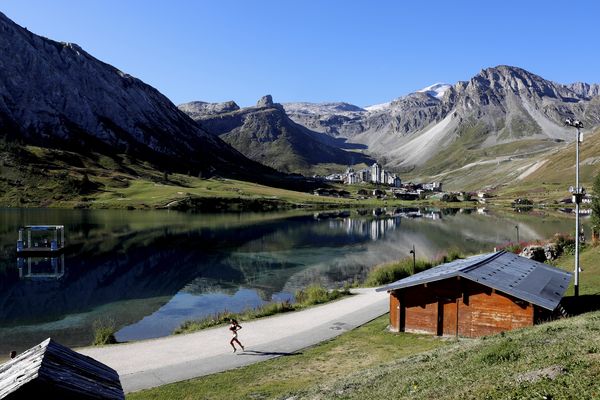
29	267
55	245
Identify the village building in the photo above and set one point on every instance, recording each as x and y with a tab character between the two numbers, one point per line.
352	178
480	295
364	175
406	195
384	177
322	192
432	186
394	181
335	178
376	173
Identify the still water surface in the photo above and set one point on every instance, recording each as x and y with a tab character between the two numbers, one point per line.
148	271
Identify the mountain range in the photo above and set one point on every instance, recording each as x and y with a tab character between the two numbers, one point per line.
57	96
264	133
502	111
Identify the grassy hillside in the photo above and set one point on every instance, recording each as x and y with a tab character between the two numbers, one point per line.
38	177
539	169
52	178
558	360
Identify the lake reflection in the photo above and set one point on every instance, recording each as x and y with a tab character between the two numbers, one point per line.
149	271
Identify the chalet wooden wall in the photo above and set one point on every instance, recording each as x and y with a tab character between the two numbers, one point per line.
394	313
457	307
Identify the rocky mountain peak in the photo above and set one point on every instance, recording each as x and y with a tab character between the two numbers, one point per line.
265	101
504	78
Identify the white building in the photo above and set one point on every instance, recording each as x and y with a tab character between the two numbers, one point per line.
365	175
352	178
394	180
376	173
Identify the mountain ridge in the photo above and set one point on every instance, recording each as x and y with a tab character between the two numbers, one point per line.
56	95
266	134
424	132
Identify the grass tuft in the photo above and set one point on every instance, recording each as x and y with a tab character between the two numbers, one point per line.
391	272
104	332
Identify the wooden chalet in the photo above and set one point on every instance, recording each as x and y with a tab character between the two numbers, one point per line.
476	296
52	371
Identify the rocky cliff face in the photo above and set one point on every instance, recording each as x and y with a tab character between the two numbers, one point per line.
197	109
266	134
585	89
57	95
334	119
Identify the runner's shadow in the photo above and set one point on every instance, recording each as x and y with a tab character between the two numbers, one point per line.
267	353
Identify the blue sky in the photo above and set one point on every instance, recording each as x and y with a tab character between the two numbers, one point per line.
362	52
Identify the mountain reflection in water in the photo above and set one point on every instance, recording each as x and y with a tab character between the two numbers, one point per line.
147	272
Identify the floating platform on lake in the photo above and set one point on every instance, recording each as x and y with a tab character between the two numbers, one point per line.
50	242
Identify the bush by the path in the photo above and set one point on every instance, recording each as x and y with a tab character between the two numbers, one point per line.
391	272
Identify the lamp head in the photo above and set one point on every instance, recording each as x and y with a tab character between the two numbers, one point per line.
573	122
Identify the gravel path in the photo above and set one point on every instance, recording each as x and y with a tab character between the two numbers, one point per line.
149	363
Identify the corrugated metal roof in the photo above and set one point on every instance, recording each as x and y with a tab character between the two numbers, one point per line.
525	279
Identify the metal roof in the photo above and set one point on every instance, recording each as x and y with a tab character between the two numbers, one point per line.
51	370
525	279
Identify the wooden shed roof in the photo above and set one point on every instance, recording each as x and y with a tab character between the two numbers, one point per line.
525	279
52	369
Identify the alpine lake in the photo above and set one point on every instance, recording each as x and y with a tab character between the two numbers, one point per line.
148	271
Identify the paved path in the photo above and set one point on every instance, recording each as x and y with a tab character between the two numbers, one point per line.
149	363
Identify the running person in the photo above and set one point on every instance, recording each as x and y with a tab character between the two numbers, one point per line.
234	327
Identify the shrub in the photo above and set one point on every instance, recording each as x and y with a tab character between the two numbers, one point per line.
387	273
317	294
565	244
453	254
104	332
449	198
391	272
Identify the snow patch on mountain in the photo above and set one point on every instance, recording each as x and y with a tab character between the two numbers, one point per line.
436	90
378	107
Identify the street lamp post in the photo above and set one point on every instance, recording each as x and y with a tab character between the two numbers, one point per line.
577	195
414	259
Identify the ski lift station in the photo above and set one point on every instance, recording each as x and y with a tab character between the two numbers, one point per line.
41	239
